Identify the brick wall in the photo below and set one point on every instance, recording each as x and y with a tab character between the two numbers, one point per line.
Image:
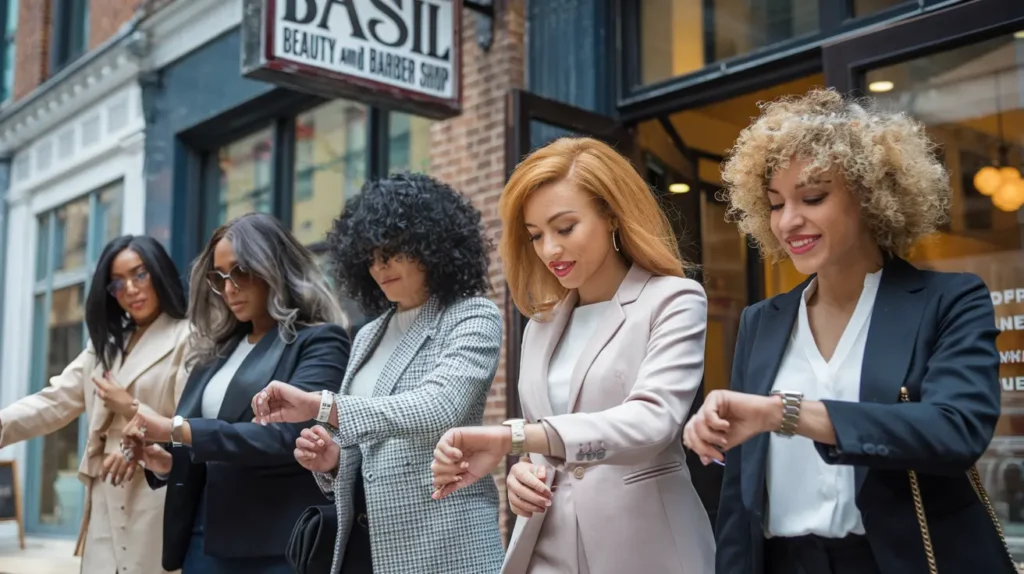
468	152
33	37
32	43
106	17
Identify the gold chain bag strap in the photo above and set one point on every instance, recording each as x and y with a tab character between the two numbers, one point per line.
979	489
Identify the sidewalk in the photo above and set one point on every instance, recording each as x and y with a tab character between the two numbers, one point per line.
40	556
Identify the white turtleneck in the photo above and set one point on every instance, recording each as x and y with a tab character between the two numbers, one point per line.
366	378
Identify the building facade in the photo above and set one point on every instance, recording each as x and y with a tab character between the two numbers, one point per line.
672	82
183	140
71	131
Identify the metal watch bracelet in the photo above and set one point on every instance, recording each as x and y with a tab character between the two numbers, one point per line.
790	411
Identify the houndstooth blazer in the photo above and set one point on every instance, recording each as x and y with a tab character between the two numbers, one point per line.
437	379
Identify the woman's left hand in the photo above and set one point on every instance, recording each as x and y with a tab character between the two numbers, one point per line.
152	426
115	397
728	419
283	403
465	455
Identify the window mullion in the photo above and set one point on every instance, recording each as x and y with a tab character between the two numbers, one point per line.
283	177
377	144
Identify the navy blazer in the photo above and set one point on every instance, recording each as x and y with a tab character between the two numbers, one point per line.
253	487
934	333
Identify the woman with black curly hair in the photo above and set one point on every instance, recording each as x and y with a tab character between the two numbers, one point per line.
413	250
862	398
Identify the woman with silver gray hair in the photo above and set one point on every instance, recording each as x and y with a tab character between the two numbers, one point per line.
261	311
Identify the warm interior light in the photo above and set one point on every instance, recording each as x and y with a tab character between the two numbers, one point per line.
678	188
1019	35
880	86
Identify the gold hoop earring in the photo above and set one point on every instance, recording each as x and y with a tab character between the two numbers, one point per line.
615	242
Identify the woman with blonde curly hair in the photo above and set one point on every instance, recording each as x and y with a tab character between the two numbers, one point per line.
815	441
612	358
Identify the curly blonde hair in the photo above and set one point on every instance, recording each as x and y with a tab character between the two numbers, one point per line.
886	158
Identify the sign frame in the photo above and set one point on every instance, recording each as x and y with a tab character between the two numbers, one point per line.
17	500
258	62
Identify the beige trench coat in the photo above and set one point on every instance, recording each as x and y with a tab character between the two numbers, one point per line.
122	527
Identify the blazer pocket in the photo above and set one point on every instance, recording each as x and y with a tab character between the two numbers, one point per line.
652	472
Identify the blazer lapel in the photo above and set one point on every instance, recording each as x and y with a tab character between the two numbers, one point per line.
422	329
774	330
190	405
365	344
535	382
255	373
611	321
892	332
155	344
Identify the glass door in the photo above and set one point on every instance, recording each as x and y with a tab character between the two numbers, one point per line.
960	71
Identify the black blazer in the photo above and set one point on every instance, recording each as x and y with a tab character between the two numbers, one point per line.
255	490
935	334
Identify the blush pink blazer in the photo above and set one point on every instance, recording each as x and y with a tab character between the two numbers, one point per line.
631	391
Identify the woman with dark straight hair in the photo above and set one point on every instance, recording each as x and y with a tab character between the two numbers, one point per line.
261	311
134	362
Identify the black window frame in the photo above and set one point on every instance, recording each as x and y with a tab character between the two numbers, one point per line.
69	32
777	63
7	92
279	109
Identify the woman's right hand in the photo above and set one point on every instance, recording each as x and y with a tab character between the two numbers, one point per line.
316	451
152	457
527	492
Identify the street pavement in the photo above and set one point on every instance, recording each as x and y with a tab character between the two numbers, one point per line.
40	556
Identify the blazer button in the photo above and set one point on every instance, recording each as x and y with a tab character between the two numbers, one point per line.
578	472
369	477
600	454
869	449
882	450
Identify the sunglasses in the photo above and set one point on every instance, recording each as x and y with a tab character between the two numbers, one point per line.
238	277
139	280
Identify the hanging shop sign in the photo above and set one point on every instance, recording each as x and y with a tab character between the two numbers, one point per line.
404	54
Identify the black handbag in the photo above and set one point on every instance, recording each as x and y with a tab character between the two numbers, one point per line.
311	546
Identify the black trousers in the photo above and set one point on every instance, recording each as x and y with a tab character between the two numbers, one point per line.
816	555
358	558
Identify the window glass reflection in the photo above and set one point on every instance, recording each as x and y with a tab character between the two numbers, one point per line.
61	493
971	100
868	7
71	235
330	165
682	36
409	145
246	176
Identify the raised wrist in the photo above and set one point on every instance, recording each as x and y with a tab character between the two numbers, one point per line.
771	413
313	404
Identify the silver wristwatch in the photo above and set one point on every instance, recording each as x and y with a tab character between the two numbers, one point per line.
790	411
176	424
518	427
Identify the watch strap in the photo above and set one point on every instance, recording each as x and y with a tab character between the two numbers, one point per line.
791	401
326	404
176	423
518	427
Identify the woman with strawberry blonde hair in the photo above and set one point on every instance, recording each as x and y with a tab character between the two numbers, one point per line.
613	355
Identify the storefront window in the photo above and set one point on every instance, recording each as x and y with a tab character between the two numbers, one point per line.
330	165
972	102
409	145
246	170
868	7
682	36
70	239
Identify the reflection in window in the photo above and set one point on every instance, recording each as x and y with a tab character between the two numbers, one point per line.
682	36
868	7
246	173
409	145
330	165
8	47
108	212
61	495
970	100
71	235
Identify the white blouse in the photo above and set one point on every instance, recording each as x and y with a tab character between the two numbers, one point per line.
578	331
806	495
366	378
213	394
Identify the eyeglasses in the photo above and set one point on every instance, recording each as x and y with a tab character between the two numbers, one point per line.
138	280
377	259
238	276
